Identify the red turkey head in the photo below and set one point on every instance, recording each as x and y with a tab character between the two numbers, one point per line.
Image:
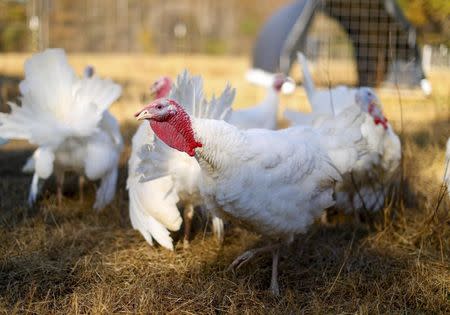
171	124
161	87
281	80
369	102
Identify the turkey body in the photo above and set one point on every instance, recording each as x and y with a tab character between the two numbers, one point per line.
372	177
272	182
275	186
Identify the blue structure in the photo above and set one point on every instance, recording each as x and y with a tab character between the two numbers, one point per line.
378	30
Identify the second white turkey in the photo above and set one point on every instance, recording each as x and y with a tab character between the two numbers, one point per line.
372	178
161	178
67	118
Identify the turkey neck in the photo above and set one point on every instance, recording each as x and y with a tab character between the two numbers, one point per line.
270	103
222	144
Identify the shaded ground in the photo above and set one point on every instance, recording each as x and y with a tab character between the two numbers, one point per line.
74	260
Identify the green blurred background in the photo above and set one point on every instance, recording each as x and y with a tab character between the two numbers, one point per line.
167	26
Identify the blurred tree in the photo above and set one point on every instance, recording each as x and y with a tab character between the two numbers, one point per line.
215	47
13	29
145	39
213	26
431	17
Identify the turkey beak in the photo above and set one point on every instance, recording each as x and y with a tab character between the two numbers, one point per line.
144	114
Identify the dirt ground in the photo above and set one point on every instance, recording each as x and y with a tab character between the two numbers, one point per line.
74	260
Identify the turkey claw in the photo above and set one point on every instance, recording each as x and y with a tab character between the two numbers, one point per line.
242	260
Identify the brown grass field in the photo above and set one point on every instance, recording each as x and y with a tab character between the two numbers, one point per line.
74	260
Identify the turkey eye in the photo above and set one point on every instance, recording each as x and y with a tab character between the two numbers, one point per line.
159	107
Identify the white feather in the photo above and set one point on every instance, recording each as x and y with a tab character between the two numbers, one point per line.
55	103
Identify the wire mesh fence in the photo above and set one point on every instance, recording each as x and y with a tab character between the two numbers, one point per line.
373	37
370	40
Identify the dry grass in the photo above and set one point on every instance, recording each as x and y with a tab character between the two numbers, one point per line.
74	260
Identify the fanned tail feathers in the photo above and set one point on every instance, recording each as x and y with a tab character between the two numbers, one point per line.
188	91
92	97
55	104
219	108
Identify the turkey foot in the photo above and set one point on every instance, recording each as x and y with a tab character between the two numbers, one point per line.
249	255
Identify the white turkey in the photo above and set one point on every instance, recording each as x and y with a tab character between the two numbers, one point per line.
67	118
160	178
264	114
272	182
28	168
109	124
372	177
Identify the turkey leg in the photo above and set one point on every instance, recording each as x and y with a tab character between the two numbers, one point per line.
250	254
187	217
81	182
274	288
59	187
